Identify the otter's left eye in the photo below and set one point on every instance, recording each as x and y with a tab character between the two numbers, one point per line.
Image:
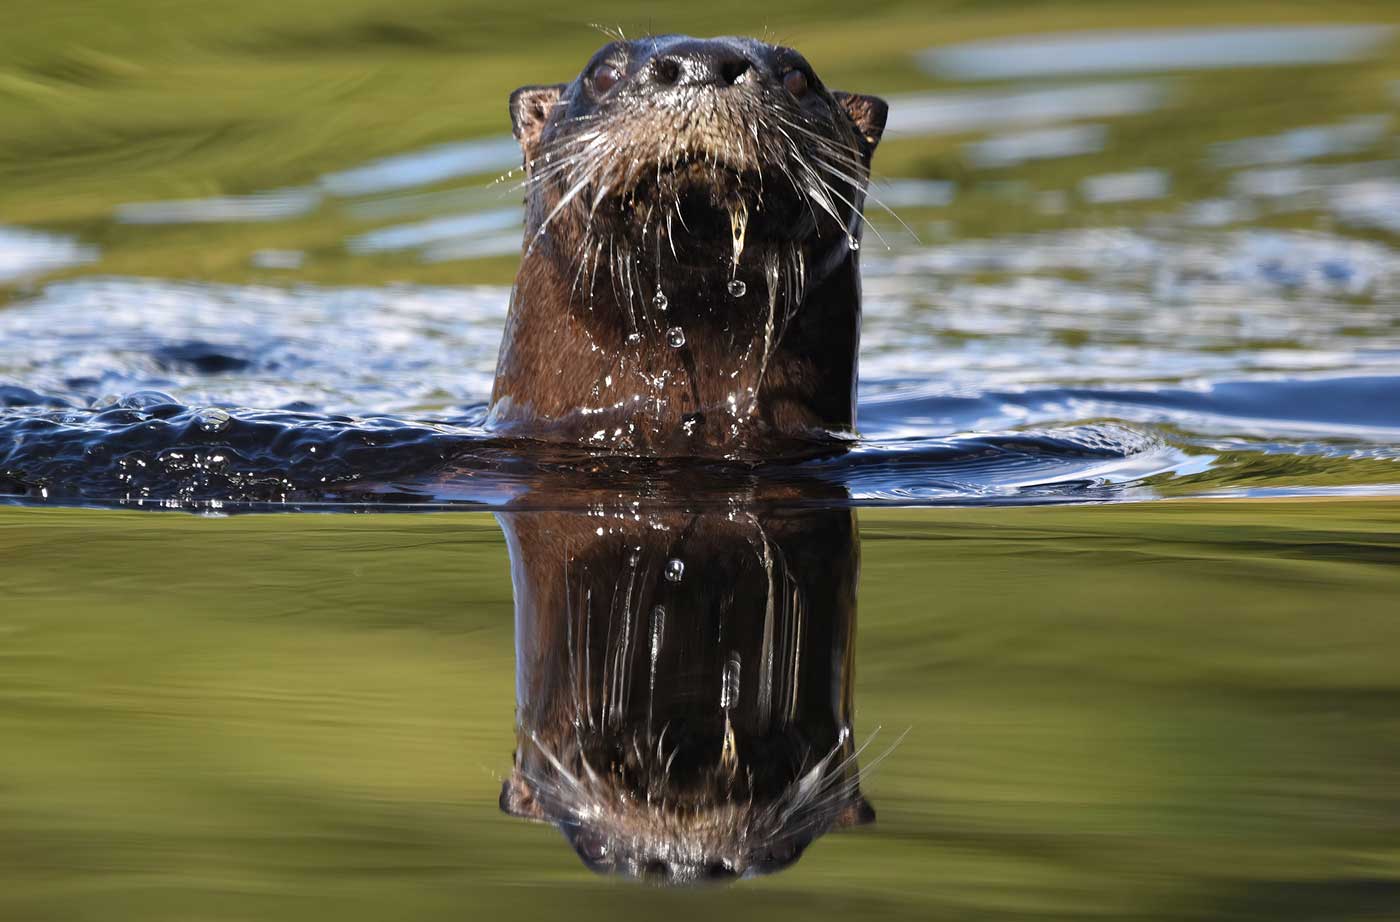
605	78
795	81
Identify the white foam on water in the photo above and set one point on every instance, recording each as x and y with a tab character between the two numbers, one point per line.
274	205
1368	203
1358	194
1132	186
1152	50
278	259
1042	144
1218	212
462	230
1349	137
924	114
912	193
507	244
26	254
421	168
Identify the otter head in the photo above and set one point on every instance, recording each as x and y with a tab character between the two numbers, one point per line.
693	216
706	147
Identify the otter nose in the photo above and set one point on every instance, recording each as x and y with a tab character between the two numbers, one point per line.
700	64
663	872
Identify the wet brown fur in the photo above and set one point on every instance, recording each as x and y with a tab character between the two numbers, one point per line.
587	355
621	721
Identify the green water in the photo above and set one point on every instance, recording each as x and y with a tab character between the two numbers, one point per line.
1168	711
110	102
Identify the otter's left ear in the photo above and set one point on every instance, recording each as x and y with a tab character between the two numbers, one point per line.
518	799
856	813
868	113
530	108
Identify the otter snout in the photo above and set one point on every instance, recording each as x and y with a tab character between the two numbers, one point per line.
699	62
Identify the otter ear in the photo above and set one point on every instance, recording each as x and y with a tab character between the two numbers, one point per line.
530	108
868	113
518	799
856	813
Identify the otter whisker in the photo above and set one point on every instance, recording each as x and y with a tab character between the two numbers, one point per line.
869	196
553	760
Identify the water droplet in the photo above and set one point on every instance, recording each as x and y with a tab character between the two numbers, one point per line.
634	338
737	288
853	242
658	630
213	419
675	337
675	569
729	685
659	299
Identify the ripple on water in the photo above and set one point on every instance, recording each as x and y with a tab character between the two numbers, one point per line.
358	351
1081	365
147	449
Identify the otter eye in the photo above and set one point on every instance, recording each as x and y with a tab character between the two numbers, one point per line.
795	81
605	78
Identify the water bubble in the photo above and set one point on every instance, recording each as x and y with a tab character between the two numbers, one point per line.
675	569
213	419
737	288
853	242
675	337
141	400
659	299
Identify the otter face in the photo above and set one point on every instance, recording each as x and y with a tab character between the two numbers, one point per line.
690	276
698	148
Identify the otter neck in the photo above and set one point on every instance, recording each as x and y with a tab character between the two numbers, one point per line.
654	355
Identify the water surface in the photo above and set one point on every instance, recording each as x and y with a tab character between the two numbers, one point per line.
261	266
1157	711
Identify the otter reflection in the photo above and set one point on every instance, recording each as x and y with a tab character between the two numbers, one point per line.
683	686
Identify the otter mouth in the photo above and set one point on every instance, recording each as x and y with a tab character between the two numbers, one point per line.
702	204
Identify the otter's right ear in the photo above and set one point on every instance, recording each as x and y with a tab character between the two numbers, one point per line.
518	799
868	113
530	108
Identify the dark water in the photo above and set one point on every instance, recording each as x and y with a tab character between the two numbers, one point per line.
1136	268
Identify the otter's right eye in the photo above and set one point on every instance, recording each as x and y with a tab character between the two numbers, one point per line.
604	78
795	81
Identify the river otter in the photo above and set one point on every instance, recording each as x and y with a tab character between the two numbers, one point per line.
689	283
684	686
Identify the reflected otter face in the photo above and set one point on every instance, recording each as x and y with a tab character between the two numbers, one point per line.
684	697
695	148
